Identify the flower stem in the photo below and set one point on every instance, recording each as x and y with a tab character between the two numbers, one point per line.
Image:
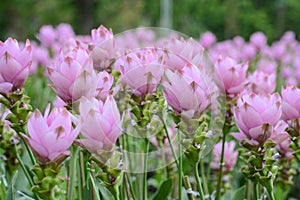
180	170
203	177
270	192
145	188
198	180
256	191
219	186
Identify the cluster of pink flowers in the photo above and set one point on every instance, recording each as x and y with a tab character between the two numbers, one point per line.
79	68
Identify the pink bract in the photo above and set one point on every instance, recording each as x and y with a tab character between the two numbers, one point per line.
14	64
50	135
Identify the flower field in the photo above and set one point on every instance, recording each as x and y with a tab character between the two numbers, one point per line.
149	113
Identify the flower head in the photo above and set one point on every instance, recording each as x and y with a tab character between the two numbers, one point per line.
256	116
230	76
14	64
229	154
100	125
73	75
50	135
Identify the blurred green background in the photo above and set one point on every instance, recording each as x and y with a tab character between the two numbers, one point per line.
226	18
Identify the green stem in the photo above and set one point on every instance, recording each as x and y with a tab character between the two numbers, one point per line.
145	168
203	177
130	185
72	174
256	195
271	194
27	174
94	186
180	170
81	174
198	180
175	157
219	186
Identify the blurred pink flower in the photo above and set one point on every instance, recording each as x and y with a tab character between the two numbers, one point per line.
290	103
284	148
187	91
207	39
256	116
141	71
73	75
50	135
102	46
267	65
229	154
14	64
261	82
230	76
177	53
105	82
279	133
64	32
101	124
258	39
47	35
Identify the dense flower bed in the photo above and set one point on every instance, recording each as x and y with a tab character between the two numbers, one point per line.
149	113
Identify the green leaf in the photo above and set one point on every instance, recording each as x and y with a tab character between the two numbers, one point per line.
164	190
239	193
10	191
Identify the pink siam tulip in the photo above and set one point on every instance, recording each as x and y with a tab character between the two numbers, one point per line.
51	135
207	39
290	106
64	32
40	57
73	75
229	154
279	134
101	124
256	117
187	91
141	71
14	65
258	39
284	148
47	35
105	83
177	53
267	65
102	46
230	76
262	83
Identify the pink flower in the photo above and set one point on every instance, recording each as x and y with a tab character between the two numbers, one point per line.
64	32
102	46
47	35
187	91
258	39
141	71
50	135
230	76
177	53
290	103
279	134
73	75
262	83
229	154
101	124
284	148
207	39
104	85
256	116
267	65
14	64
